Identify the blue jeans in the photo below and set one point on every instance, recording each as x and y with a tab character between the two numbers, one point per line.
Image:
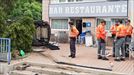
120	44
101	47
128	39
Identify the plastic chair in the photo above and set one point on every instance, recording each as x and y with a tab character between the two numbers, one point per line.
82	37
131	50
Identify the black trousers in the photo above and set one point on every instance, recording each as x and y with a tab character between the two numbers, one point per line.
72	46
127	43
113	37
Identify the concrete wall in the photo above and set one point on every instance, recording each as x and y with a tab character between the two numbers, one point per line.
59	36
4	68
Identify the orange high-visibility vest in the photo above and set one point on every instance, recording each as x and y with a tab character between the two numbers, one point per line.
113	29
74	32
100	32
129	30
121	31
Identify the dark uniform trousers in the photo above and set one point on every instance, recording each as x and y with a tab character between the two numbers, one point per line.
72	46
127	42
113	37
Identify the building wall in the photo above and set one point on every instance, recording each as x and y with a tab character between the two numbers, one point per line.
93	30
93	26
45	16
61	34
45	10
93	0
67	1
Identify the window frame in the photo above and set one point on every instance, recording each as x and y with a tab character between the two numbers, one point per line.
67	29
60	1
71	1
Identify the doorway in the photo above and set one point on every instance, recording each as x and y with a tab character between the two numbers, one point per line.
78	23
79	26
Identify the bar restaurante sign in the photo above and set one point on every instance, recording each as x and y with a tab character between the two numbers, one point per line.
118	8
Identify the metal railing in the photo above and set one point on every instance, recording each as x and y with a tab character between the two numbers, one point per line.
5	47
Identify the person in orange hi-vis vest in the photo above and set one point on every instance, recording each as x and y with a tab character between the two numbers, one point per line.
113	30
73	35
120	42
101	35
129	30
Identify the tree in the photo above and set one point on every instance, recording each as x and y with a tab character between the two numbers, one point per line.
6	7
21	33
2	20
17	22
29	8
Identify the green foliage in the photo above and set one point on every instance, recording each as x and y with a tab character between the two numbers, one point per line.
29	8
2	22
7	5
20	28
21	34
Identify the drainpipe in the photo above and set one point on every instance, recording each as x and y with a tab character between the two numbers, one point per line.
45	10
131	11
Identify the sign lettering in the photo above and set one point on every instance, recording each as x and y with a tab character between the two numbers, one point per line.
118	8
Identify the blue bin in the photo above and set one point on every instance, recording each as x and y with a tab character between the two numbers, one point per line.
82	37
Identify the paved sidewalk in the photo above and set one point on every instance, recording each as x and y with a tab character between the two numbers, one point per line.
87	56
33	57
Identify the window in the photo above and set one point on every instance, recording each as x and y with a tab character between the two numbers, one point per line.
59	24
54	1
116	0
70	0
93	0
62	0
108	23
123	20
113	0
78	0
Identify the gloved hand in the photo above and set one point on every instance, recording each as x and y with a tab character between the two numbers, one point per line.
115	40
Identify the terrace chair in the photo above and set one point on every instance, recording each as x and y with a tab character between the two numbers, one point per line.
131	50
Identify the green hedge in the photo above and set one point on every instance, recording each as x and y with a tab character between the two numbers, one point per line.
21	33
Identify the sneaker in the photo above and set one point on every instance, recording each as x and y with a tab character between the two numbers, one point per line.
99	57
70	56
73	56
104	58
122	59
113	55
